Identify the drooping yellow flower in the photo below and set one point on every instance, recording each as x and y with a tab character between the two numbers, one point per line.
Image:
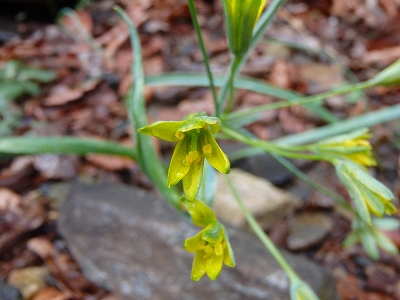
353	146
211	245
368	194
195	137
240	18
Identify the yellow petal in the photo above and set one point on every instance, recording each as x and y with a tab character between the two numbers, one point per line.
262	5
192	244
214	266
229	258
178	167
199	266
191	182
164	130
216	157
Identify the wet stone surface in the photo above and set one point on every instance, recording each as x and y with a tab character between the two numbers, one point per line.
130	242
308	229
8	292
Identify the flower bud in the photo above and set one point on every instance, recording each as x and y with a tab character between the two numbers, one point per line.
353	146
240	18
388	76
368	194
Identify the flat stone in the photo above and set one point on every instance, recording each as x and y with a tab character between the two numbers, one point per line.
262	165
130	242
308	229
266	202
8	292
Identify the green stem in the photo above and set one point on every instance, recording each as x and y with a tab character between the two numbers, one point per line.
226	84
258	33
262	235
339	199
299	101
196	25
232	75
237	63
268	146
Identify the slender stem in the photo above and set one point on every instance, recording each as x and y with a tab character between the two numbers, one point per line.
235	64
299	101
232	71
196	25
339	199
261	234
268	146
265	20
259	30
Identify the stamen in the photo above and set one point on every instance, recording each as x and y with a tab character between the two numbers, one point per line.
179	135
207	149
192	156
208	249
218	248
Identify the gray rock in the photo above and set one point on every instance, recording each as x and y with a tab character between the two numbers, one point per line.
261	165
8	292
308	229
130	242
267	203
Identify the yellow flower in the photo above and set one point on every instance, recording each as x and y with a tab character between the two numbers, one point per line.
211	245
368	194
240	18
195	137
212	250
353	146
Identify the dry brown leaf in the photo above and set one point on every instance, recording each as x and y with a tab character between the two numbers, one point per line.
78	23
54	166
50	293
62	94
112	39
280	74
383	56
28	280
109	162
390	7
41	246
8	200
293	124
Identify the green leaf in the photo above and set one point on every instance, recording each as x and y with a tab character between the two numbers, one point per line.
62	145
369	244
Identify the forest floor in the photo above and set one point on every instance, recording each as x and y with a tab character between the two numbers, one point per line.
311	47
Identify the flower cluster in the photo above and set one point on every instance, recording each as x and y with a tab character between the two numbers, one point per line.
368	194
211	245
195	137
353	146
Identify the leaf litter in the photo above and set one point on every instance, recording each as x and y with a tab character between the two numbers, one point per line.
89	50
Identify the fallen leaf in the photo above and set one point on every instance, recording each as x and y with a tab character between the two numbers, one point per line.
109	162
